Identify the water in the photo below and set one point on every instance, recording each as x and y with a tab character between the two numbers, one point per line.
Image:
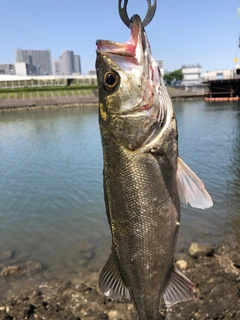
51	197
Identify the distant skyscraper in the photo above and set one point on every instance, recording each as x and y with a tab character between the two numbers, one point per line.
41	59
67	64
77	64
57	66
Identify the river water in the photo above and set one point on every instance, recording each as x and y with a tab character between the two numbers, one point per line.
51	196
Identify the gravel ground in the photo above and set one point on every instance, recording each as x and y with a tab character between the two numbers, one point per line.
214	271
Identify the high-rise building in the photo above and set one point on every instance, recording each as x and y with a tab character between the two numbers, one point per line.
57	66
68	63
41	59
77	64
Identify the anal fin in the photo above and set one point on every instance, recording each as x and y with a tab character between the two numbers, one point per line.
178	289
110	280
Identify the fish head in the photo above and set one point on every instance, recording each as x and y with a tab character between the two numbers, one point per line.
130	86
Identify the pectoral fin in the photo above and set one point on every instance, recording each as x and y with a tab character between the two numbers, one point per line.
110	281
190	188
178	289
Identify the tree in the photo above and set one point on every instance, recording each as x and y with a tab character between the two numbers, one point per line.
174	76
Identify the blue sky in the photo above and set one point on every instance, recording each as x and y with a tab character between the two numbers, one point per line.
182	31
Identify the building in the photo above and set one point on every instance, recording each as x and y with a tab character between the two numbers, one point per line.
67	64
7	68
41	59
92	72
25	69
161	66
219	74
191	74
77	64
57	66
14	81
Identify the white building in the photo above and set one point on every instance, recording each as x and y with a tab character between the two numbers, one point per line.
191	74
25	69
219	74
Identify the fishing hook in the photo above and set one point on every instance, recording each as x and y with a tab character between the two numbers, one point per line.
148	18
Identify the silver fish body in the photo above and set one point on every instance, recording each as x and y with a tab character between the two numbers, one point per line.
141	177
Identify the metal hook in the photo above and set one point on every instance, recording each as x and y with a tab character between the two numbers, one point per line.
148	18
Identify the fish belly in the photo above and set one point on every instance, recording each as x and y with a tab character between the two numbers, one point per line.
143	211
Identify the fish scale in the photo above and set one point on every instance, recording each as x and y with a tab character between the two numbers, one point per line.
137	224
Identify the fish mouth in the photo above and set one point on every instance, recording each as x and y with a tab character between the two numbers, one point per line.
133	48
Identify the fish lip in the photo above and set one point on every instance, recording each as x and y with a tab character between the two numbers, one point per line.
134	47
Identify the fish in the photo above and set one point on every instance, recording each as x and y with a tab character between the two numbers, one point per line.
144	178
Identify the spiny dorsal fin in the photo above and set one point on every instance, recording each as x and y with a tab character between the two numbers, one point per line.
110	281
178	289
190	188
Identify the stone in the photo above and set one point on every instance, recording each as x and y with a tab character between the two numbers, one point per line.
182	264
6	255
10	271
113	315
197	250
33	267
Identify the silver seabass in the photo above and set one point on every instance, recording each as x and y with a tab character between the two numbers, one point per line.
144	178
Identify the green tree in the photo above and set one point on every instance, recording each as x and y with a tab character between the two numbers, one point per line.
176	75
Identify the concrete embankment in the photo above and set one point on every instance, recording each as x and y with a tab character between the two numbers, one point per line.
81	99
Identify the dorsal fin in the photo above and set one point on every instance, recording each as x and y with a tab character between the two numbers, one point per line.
190	188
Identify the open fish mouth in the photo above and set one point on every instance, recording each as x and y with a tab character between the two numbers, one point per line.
128	48
131	52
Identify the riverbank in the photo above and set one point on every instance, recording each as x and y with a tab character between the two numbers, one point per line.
68	98
215	273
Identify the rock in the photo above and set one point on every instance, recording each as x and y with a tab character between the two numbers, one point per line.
182	264
86	250
6	255
197	250
84	246
33	267
113	315
10	271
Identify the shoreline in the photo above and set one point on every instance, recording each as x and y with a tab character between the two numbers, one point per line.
12	104
215	272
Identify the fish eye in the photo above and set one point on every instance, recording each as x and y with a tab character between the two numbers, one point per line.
111	80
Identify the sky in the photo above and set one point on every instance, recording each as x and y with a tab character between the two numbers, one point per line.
182	31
